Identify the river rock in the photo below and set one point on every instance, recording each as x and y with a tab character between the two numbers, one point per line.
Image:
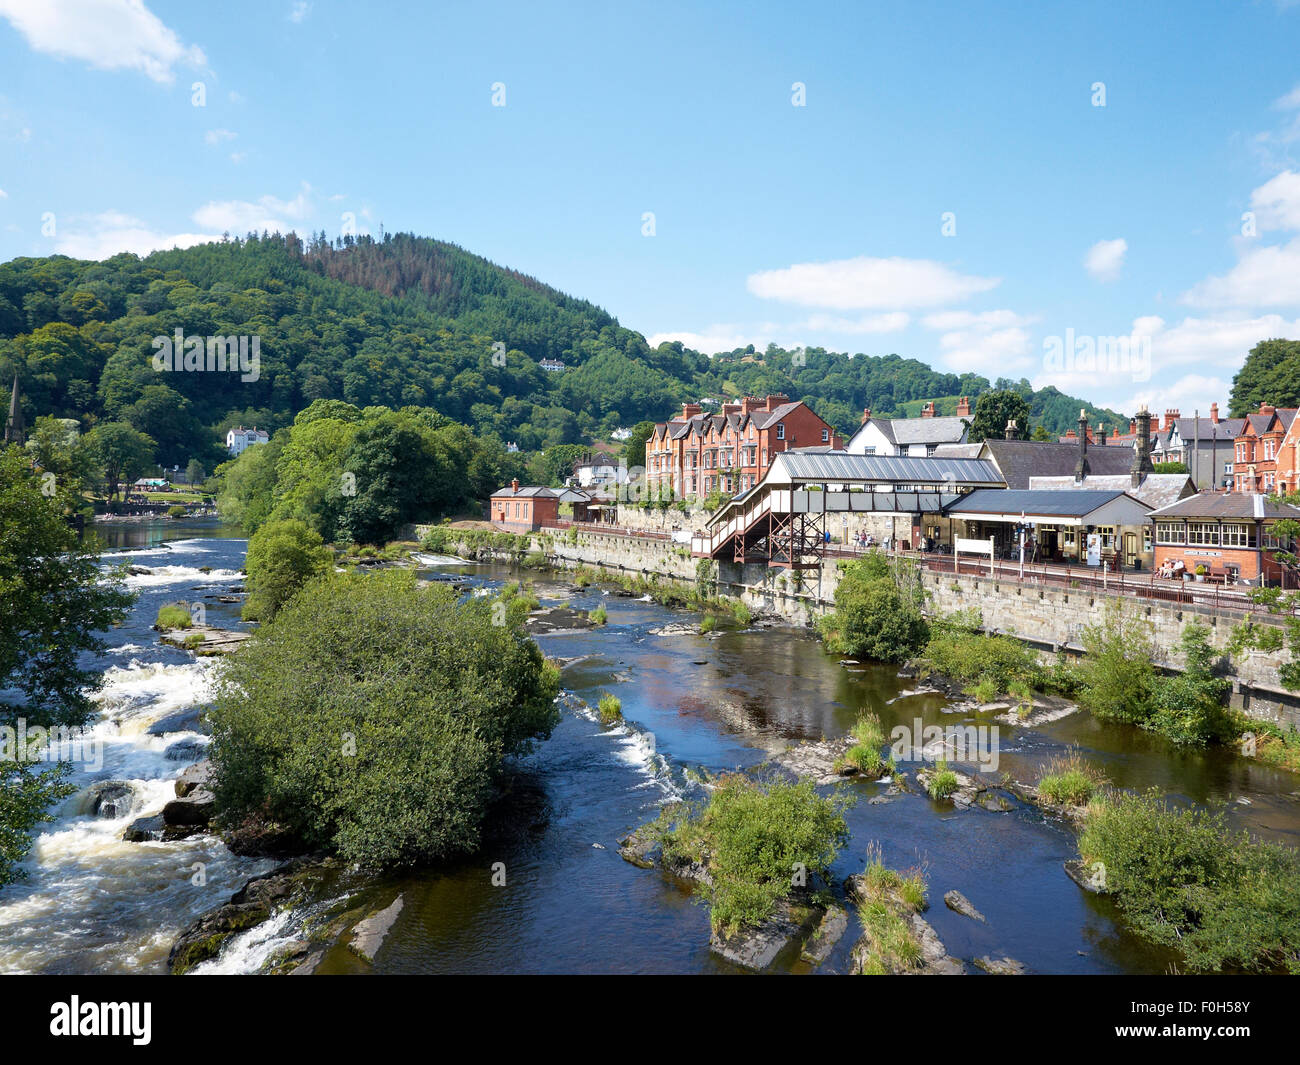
111	799
958	902
818	946
193	810
195	777
1000	966
369	935
758	947
185	751
145	829
1089	877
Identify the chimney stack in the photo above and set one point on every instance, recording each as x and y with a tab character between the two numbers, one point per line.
1100	438
928	410
1214	414
866	415
1132	426
514	484
1011	432
689	410
1171	416
1141	449
1267	408
748	404
775	400
963	407
1081	469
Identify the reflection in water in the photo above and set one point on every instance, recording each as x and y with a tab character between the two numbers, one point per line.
568	902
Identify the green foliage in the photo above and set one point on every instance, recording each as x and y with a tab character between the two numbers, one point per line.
282	557
372	716
877	612
865	754
173	616
121	452
754	837
708	623
1068	780
1189	706
26	795
634	455
56	599
1116	675
991	664
886	899
610	708
1183	880
992	412
599	615
942	782
1170	467
1270	374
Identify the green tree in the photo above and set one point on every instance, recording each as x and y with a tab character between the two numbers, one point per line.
372	717
282	557
1116	676
877	615
195	473
635	454
122	453
26	795
992	412
1270	374
1189	706
56	600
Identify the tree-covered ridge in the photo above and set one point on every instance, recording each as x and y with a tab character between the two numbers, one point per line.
400	322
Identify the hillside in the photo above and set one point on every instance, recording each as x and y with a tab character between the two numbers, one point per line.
406	321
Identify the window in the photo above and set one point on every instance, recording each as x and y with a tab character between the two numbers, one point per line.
1203	533
1170	532
1107	534
780	431
870	450
1146	538
826	436
1237	535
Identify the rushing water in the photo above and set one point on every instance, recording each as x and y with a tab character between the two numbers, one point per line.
569	902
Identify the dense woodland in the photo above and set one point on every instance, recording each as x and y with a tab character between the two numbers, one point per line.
402	322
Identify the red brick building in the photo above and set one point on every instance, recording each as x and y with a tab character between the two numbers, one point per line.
526	509
1229	533
697	454
1257	447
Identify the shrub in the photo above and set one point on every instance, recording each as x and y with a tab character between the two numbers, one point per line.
599	615
177	512
877	613
1116	675
282	557
886	899
1067	780
610	709
173	616
741	613
985	690
1183	880
1189	707
754	836
708	623
193	641
943	781
958	649
316	729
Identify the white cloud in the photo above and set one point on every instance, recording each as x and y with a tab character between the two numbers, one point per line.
299	11
994	343
982	320
3	195
1263	277
1220	342
100	236
245	216
890	322
1276	203
238	157
216	136
862	283
1105	259
715	338
106	34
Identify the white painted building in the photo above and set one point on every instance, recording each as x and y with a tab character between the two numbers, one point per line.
240	440
915	437
599	473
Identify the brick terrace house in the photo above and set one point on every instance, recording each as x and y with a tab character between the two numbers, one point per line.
697	454
526	509
1288	459
1227	532
1257	447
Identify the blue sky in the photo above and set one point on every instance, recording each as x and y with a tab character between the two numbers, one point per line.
821	224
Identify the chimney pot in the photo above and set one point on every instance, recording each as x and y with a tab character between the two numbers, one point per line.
1214	413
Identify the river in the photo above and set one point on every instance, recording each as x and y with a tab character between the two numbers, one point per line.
93	903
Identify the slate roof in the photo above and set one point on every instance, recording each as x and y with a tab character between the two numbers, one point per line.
1156	489
1021	459
905	431
1228	505
534	491
1069	503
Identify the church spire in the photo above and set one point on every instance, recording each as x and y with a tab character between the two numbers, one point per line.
15	430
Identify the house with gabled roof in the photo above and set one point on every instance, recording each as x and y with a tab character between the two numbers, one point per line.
917	437
1256	448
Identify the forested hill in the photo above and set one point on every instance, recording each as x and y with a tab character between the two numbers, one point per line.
406	321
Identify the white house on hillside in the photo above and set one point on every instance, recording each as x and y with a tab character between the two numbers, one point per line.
598	473
241	439
917	437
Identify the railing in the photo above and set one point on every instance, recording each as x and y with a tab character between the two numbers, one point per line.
1079	578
